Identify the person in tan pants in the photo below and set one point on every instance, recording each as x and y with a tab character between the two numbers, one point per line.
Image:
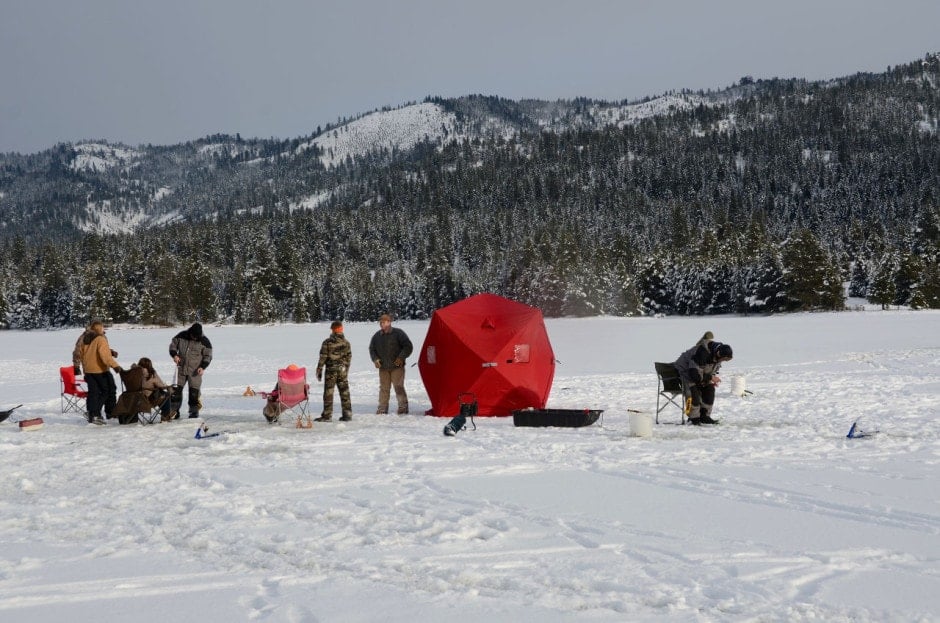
388	349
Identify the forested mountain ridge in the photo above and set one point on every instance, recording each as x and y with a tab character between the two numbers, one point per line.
104	188
763	197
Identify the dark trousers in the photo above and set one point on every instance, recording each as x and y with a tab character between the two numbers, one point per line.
102	392
703	398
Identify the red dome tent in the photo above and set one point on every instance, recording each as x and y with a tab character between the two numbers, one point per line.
492	347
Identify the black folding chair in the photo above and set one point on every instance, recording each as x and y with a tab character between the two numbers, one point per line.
670	387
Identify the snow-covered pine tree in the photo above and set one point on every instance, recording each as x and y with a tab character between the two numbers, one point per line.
811	279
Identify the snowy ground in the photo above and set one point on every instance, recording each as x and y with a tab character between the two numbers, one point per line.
773	515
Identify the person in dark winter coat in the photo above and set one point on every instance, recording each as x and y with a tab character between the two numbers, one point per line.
97	362
388	350
335	357
698	367
191	351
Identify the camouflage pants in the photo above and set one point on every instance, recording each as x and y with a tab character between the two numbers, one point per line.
336	378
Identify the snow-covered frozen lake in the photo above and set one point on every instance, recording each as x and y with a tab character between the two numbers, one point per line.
773	515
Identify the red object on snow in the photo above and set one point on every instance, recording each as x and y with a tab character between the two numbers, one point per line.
489	346
32	424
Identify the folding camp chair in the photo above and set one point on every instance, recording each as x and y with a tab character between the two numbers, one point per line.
73	391
292	391
670	386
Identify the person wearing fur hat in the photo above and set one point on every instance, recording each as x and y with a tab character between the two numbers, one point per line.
698	367
191	351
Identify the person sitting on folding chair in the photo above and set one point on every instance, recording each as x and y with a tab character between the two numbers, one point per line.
698	368
144	391
157	392
272	407
277	403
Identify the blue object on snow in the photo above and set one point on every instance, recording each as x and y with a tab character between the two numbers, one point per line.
857	433
202	432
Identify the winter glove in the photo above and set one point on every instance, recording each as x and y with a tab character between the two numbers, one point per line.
114	353
319	374
399	362
119	369
77	370
378	363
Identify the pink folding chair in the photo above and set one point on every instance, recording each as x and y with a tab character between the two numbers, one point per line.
73	391
292	391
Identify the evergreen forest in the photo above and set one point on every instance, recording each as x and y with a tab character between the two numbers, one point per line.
765	197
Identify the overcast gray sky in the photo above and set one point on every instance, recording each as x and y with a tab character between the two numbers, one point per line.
167	71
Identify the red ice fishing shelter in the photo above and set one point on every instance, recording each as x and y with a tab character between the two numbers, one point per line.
492	347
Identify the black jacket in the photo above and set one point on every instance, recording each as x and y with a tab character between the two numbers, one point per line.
387	347
698	365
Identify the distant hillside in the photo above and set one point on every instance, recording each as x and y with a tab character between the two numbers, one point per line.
104	188
762	197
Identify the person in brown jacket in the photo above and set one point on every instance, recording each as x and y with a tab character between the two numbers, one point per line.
97	363
77	351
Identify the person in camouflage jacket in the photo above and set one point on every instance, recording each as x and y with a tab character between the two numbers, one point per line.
335	357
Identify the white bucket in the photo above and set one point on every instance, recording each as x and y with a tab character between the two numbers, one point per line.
739	386
641	425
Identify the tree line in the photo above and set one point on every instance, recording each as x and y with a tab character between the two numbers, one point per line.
767	202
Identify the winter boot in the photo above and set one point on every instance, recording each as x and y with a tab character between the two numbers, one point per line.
705	415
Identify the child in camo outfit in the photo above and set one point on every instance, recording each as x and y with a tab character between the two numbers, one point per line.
335	357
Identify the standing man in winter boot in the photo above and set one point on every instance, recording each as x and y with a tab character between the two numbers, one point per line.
98	362
698	367
335	357
79	344
191	352
77	354
388	350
